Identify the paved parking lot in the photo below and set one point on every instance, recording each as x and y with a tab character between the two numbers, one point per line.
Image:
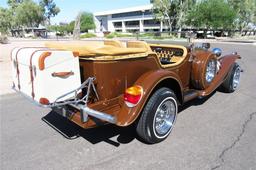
214	133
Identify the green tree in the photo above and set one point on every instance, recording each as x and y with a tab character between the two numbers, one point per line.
50	9
70	27
181	10
14	3
254	14
172	11
5	18
246	12
212	14
163	11
87	22
29	14
63	29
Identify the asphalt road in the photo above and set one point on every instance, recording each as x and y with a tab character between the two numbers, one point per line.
215	133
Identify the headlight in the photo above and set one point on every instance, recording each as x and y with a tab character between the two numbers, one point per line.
210	70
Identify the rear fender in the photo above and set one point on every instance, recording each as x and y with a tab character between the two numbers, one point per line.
149	82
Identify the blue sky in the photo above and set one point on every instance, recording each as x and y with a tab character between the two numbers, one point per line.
70	8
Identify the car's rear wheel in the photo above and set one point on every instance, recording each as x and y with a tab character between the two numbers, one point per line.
158	116
232	80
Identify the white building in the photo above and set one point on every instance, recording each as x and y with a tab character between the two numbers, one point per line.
133	19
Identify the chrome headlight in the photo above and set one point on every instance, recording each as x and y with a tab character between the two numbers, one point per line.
210	71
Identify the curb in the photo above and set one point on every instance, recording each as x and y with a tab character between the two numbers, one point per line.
236	40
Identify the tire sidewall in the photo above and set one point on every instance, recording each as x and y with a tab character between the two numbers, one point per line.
168	94
231	88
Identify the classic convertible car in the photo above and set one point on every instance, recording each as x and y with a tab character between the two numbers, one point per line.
122	83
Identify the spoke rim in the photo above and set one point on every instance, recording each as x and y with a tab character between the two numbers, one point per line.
210	71
236	78
165	117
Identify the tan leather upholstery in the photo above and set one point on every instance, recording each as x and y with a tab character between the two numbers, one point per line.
114	43
96	50
139	44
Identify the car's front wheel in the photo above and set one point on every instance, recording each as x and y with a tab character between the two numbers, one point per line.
158	116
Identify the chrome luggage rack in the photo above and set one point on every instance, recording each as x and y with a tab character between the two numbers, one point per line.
77	103
76	100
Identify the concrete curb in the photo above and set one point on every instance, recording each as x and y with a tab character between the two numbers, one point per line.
236	40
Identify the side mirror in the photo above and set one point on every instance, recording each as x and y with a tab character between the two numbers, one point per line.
217	51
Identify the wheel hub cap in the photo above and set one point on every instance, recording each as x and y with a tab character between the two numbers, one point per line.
165	116
236	78
210	71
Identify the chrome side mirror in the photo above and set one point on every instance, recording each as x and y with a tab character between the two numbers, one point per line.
217	51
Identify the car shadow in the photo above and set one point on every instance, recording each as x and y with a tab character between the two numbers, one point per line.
103	133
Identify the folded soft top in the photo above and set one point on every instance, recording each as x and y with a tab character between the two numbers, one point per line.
85	49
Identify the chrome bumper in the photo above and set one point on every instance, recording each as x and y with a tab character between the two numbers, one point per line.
85	111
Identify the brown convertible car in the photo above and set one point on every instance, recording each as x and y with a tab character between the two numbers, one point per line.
122	83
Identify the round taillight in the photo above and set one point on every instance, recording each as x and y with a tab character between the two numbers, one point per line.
44	101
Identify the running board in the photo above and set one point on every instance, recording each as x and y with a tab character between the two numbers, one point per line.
190	94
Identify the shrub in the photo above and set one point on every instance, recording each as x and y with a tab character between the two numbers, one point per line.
88	35
119	35
110	36
123	35
147	34
3	40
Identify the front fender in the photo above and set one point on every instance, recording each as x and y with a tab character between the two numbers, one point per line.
148	82
226	64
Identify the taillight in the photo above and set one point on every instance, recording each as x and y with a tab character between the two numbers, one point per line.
44	101
132	95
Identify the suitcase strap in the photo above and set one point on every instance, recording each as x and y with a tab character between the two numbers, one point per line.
17	65
31	72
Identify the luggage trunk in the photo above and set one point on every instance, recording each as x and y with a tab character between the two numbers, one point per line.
44	74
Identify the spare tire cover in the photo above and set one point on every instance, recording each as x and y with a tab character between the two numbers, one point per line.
199	66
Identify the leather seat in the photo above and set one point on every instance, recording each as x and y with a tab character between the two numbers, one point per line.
139	44
114	43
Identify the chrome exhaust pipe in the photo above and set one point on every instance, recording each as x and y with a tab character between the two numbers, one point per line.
85	111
